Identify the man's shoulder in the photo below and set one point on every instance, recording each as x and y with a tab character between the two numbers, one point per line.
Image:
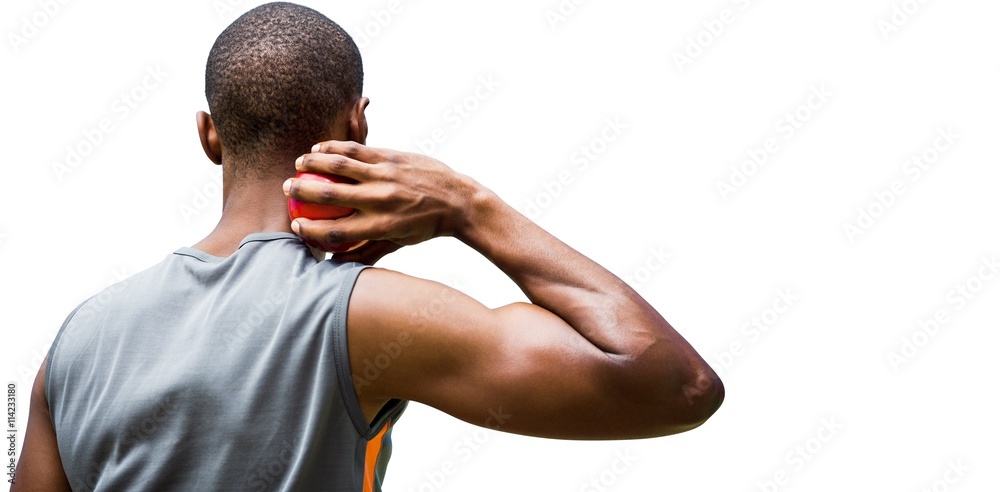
389	299
122	283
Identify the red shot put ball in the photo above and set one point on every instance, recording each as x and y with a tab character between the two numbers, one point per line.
316	211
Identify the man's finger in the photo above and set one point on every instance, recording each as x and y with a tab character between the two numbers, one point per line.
353	150
370	253
338	194
334	164
356	227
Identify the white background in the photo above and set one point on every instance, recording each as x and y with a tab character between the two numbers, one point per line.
147	189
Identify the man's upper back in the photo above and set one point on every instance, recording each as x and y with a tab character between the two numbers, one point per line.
207	373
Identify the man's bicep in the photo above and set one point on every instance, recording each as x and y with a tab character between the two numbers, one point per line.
40	467
518	368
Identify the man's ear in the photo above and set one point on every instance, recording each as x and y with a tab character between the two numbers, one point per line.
209	137
359	123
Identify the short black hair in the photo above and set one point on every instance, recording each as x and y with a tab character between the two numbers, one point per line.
276	80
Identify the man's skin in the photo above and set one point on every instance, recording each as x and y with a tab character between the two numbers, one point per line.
587	359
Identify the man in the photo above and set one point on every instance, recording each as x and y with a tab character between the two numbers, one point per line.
246	362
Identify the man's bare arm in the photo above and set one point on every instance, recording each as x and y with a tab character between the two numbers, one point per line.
39	468
588	359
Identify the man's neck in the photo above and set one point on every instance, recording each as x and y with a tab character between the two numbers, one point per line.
249	206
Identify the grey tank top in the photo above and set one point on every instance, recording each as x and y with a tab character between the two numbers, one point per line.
209	373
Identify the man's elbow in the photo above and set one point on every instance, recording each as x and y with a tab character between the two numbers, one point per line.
690	392
704	395
692	404
666	404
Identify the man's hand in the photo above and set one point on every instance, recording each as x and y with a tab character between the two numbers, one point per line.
401	198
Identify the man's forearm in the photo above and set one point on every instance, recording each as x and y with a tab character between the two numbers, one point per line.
595	302
652	362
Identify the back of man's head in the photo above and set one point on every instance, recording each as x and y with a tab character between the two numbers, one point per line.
276	81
